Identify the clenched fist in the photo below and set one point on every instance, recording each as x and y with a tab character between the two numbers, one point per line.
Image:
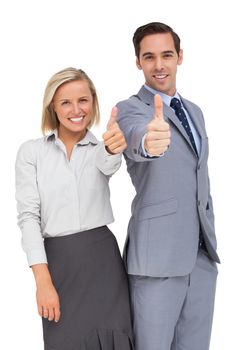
114	138
158	135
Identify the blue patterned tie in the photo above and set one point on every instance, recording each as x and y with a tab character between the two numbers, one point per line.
176	105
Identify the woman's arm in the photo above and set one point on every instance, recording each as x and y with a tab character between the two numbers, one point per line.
28	204
108	158
114	138
46	295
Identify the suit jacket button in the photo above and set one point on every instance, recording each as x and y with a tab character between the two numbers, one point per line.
135	151
199	203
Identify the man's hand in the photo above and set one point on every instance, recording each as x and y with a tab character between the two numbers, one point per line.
158	135
114	138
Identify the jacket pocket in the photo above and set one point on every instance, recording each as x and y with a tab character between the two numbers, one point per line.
155	210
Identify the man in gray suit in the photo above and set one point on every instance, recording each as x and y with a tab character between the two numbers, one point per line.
170	250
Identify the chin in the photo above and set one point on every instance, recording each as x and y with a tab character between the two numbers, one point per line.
74	128
78	129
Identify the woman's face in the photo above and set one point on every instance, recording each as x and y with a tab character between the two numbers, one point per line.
73	104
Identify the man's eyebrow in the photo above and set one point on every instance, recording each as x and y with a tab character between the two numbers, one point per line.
163	52
147	53
168	51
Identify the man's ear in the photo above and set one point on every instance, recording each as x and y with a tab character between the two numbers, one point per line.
138	63
180	57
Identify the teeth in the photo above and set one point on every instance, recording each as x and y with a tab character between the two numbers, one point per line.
76	119
160	76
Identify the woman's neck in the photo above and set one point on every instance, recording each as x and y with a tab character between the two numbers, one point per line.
70	138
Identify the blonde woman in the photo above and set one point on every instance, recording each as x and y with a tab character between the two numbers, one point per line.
64	208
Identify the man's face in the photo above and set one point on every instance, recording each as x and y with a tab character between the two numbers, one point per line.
158	59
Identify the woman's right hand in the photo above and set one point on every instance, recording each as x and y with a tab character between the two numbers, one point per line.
46	295
48	302
114	138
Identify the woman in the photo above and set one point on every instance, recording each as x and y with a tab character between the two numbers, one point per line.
64	206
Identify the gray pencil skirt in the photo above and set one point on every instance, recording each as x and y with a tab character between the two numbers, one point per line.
89	276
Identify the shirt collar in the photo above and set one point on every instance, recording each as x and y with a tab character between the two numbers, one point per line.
88	138
166	98
52	135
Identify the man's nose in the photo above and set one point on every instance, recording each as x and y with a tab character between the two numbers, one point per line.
158	63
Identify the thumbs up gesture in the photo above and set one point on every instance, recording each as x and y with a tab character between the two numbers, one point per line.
158	131
114	138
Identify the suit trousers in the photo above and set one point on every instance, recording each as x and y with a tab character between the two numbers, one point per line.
175	313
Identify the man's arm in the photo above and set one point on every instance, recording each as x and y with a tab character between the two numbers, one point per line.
136	126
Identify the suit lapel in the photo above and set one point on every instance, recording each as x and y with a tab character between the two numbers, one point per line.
168	112
198	123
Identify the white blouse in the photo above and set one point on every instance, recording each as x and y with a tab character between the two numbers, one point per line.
57	197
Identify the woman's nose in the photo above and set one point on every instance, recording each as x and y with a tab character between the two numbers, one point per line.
76	108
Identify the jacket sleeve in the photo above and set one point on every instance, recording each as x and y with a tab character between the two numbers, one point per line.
210	204
28	204
133	122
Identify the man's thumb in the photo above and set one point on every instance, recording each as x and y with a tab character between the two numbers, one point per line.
158	107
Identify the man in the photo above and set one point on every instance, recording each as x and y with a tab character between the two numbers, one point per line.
170	251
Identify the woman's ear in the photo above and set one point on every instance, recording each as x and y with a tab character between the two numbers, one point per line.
52	106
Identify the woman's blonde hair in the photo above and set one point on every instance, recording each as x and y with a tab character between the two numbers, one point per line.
49	117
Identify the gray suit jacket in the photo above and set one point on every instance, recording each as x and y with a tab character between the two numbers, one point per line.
173	201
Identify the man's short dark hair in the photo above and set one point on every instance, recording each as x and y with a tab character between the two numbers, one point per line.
154	28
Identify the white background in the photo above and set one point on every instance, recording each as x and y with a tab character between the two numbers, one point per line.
37	40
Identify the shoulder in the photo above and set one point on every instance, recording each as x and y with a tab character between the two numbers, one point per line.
140	103
190	104
30	148
90	138
130	102
193	109
133	107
